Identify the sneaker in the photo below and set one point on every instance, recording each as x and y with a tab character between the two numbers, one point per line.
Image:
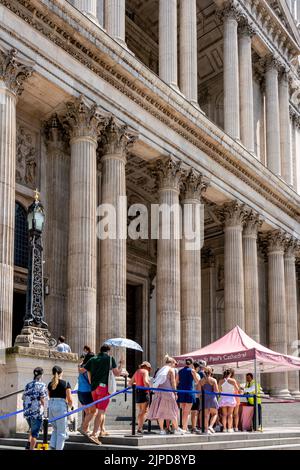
193	431
179	432
162	433
225	430
236	430
140	432
211	429
230	430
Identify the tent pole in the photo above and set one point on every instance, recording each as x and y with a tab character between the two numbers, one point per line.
255	398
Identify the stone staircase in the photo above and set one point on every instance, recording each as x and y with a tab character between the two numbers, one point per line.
270	439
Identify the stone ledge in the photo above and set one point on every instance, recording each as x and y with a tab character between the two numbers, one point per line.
41	353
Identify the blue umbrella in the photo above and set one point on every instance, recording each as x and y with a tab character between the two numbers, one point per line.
123	343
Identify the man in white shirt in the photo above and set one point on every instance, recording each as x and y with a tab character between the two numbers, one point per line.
62	346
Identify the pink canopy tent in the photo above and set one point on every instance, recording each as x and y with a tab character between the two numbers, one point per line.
236	349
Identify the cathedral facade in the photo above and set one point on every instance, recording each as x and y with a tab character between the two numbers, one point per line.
159	102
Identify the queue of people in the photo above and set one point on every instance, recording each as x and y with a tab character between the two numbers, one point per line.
220	411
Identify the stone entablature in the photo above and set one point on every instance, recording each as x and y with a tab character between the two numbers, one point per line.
94	49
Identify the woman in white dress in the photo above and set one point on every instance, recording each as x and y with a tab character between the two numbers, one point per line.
227	403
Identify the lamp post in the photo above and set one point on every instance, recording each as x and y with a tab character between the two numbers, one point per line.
35	330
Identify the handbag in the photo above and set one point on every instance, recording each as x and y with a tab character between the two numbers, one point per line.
112	385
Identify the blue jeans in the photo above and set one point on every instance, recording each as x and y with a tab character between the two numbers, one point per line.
58	407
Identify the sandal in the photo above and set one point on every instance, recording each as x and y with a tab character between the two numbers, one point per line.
95	440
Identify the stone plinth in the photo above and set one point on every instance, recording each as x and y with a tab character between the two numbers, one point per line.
16	371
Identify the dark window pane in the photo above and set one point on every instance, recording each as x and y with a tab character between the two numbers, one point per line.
21	237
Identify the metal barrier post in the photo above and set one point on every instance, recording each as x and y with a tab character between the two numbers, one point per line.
149	420
255	414
180	417
44	445
202	410
133	410
125	394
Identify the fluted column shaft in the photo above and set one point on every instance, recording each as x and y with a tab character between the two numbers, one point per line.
168	263
12	75
57	228
233	267
272	119
188	50
285	131
84	124
115	19
251	277
277	308
168	70
246	87
292	313
231	75
88	7
191	265
115	141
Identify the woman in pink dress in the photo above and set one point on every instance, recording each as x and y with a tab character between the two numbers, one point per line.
164	405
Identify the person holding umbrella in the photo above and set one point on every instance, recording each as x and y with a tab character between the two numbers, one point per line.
98	368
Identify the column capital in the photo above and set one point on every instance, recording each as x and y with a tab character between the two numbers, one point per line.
233	214
83	120
276	241
117	139
292	246
193	185
252	224
13	72
230	11
168	173
245	28
272	62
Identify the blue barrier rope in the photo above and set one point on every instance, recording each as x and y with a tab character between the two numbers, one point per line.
192	391
89	405
11	414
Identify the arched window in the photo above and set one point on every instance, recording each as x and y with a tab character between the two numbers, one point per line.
21	237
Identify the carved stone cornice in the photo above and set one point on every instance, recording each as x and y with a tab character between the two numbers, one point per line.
82	120
117	139
168	173
234	214
193	185
13	72
276	241
252	224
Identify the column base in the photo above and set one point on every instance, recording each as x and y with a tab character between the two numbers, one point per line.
296	394
280	393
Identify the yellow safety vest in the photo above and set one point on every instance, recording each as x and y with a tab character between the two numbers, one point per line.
259	389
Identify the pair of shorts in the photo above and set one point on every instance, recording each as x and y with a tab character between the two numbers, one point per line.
185	397
85	398
196	405
35	425
142	396
97	394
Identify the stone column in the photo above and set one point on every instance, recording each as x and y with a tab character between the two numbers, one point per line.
193	187
188	50
115	141
56	246
231	73
12	76
88	8
169	174
251	276
272	116
277	308
168	42
84	124
115	19
285	130
234	216
246	86
291	311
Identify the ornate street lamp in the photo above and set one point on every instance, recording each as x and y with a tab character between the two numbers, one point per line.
35	330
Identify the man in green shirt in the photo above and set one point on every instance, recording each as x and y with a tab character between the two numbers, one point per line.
98	368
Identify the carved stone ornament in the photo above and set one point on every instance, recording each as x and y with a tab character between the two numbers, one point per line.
168	173
291	247
117	138
276	241
193	185
54	132
273	62
252	224
82	120
246	28
234	213
13	72
26	161
33	337
231	10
